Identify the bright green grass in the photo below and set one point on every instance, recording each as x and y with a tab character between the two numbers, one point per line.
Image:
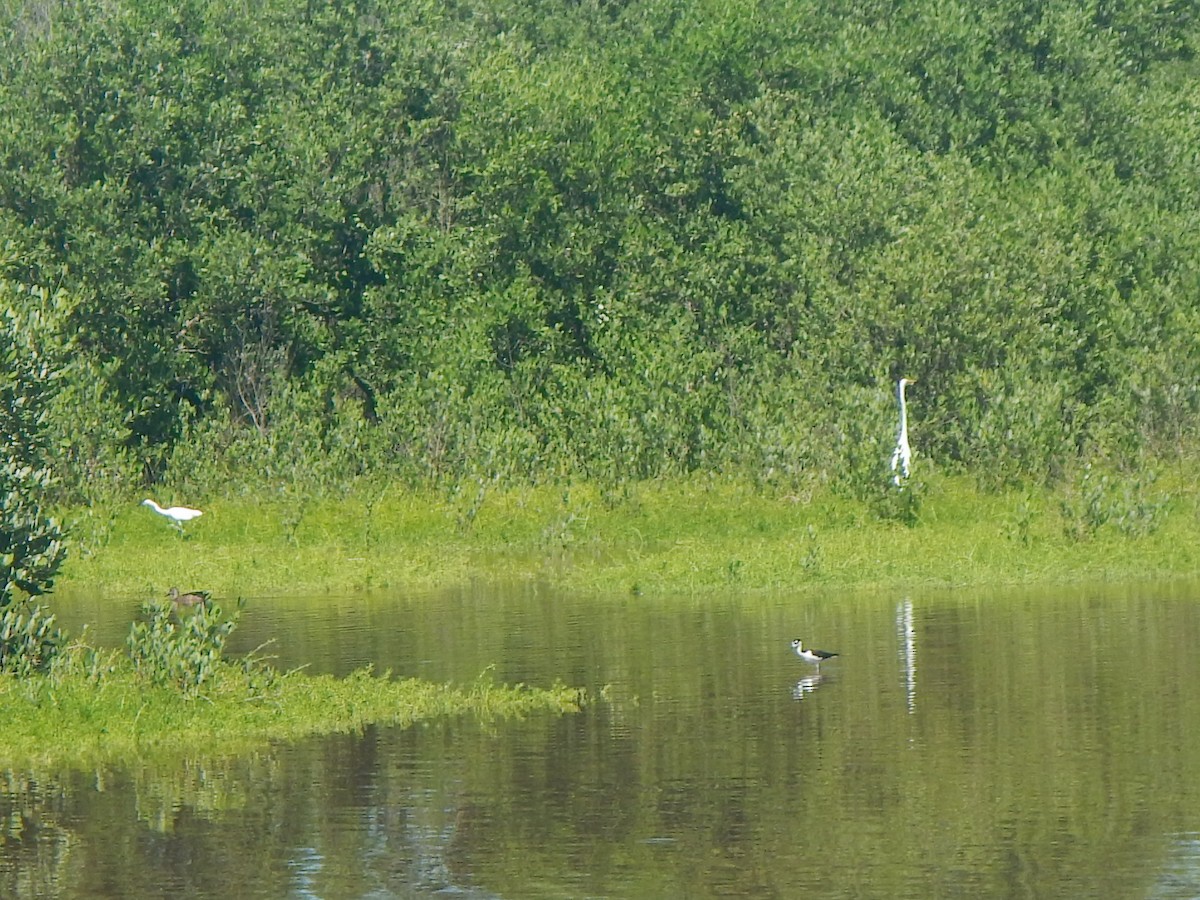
74	718
696	536
699	537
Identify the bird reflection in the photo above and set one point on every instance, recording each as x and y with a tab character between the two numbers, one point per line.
806	685
906	634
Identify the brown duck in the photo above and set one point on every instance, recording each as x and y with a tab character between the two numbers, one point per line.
191	598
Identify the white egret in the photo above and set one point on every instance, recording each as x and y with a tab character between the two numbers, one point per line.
177	514
191	598
902	455
812	656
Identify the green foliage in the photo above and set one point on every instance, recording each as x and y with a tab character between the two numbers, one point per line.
620	241
185	651
1098	498
29	640
31	545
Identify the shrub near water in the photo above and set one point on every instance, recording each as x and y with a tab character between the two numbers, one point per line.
31	543
183	653
29	642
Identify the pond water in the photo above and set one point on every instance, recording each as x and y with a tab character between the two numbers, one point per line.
1007	744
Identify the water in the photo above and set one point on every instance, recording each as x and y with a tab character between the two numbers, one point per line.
1015	744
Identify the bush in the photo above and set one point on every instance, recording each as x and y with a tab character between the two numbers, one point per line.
29	642
31	546
184	653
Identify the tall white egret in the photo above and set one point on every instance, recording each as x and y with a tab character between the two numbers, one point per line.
177	514
812	656
902	455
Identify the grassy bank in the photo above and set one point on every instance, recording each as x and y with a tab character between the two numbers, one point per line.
698	536
701	537
92	710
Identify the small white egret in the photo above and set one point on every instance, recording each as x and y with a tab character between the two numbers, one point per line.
191	598
902	455
177	514
812	656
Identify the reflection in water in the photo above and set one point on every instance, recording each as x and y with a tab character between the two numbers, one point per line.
806	685
35	846
1033	766
908	650
306	865
1180	878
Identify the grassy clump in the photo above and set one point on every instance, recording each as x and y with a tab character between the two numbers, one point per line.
703	535
76	720
173	691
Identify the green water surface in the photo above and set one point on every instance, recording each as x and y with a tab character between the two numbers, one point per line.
1003	744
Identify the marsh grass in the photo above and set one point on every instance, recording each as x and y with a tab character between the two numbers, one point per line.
94	708
697	537
700	535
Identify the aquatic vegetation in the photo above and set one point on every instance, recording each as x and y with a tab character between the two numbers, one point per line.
183	652
94	707
174	689
29	640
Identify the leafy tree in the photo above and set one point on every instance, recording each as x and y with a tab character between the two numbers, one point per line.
528	239
31	543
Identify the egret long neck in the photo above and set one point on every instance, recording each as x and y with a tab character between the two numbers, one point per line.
903	411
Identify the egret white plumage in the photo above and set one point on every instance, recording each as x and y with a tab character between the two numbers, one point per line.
813	656
177	514
902	455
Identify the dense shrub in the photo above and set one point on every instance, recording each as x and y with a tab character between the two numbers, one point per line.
184	652
31	545
537	240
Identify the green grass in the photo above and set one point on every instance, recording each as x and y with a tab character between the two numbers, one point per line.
700	536
91	710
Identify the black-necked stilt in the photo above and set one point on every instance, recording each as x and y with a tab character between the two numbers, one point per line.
812	656
191	598
177	514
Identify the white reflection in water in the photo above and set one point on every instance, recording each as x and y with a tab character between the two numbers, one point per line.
306	866
806	685
908	650
1180	877
428	844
